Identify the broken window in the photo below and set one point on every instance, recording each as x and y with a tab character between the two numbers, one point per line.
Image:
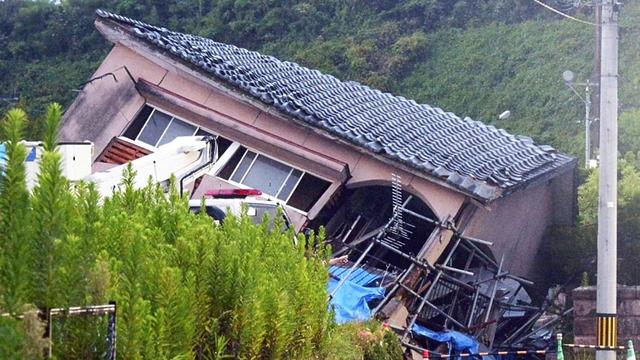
308	192
292	186
177	128
134	129
154	127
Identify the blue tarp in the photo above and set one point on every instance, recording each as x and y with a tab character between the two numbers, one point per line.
32	154
458	342
359	276
350	301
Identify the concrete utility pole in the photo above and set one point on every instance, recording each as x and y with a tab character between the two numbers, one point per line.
607	204
595	108
587	125
567	75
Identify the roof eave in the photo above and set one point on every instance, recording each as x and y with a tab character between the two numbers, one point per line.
568	165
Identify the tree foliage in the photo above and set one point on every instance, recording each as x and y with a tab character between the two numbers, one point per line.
15	216
571	251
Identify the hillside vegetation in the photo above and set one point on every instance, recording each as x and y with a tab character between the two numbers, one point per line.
473	58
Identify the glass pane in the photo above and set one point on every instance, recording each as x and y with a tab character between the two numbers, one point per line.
288	186
154	128
266	175
243	166
223	144
271	210
228	168
177	128
137	124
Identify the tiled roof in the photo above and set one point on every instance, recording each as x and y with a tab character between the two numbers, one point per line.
473	157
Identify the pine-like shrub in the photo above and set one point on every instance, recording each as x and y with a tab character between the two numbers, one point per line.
15	218
185	287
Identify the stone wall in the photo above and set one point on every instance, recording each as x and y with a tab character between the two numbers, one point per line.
584	320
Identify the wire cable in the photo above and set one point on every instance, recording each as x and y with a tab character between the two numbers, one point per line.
563	14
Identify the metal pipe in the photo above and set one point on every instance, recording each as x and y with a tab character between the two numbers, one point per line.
419	216
433	285
473	307
212	159
402	278
346	236
396	284
423	300
479	241
351	270
488	259
531	320
362	256
493	292
428	303
460	271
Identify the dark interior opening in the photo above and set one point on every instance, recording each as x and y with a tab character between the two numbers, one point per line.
223	143
136	125
228	168
308	192
360	212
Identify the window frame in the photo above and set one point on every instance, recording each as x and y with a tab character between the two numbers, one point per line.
275	197
226	156
173	117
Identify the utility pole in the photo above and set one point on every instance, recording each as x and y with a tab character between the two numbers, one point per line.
607	203
595	108
567	75
587	125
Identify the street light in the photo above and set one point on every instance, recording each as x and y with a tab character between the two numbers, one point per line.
505	115
568	76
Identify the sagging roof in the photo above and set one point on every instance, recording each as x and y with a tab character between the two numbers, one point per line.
478	159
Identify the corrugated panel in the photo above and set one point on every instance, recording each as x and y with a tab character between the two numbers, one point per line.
474	157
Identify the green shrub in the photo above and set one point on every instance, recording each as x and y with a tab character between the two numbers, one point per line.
364	341
380	343
185	287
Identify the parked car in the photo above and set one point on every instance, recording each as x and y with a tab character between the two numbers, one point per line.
219	203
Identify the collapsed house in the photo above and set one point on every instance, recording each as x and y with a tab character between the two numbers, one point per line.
444	214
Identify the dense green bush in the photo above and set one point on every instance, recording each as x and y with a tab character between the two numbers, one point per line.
185	287
364	341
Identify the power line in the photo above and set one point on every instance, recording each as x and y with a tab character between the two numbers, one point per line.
563	14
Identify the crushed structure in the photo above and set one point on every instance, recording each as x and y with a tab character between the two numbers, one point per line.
444	214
